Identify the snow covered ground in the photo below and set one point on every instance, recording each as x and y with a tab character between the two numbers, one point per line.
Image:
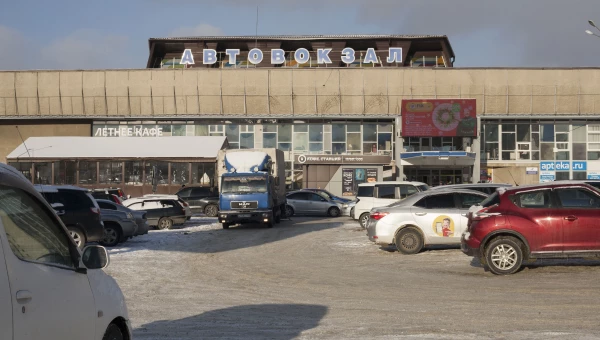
315	278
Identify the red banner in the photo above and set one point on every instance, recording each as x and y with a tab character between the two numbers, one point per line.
439	117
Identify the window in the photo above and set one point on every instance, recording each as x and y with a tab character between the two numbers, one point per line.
87	172
203	173
443	201
269	140
180	173
178	130
136	206
110	172
65	172
365	191
547	132
71	199
133	173
317	198
158	170
184	192
23	167
299	196
386	191
42	173
233	136
535	199
168	204
468	200
339	132
577	198
407	190
202	192
32	232
300	141
108	206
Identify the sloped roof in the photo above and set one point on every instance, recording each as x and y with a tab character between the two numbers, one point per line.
118	147
305	37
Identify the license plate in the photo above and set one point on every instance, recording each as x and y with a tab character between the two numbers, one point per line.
245	215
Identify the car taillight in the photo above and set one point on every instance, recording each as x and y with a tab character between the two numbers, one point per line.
378	215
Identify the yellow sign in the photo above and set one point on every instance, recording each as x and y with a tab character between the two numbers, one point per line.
443	226
419	107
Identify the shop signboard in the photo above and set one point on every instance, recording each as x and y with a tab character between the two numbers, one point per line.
343	159
439	118
371	175
531	170
347	182
547	171
128	131
579	166
593	175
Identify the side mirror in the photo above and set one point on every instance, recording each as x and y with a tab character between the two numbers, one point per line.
95	257
59	208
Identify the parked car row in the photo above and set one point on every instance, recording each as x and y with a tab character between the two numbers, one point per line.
503	226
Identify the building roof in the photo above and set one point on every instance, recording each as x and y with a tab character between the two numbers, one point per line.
305	37
118	147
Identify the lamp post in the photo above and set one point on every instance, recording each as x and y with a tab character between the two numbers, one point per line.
593	25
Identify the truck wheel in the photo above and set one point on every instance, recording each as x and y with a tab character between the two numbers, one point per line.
289	211
504	255
211	210
165	223
225	225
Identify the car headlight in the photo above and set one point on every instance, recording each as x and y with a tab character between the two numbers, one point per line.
345	206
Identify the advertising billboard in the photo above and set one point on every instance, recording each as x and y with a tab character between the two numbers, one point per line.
439	118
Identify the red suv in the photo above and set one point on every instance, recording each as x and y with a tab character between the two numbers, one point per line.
530	222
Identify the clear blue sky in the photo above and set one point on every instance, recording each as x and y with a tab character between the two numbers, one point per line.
68	34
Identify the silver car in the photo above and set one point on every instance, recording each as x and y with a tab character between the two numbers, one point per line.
425	218
139	215
310	203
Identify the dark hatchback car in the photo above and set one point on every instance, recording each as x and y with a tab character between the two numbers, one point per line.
163	213
80	212
202	200
550	220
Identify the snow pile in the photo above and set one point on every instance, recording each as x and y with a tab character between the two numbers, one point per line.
245	161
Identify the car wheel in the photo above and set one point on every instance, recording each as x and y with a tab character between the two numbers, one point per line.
225	225
333	212
112	236
165	223
409	241
78	236
289	211
211	210
504	255
113	332
363	219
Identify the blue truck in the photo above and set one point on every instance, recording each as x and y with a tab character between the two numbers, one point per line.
251	186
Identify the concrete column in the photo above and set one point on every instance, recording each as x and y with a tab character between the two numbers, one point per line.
399	143
476	147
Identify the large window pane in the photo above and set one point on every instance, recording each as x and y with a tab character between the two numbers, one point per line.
535	141
508	142
110	172
316	147
300	128
491	132
133	173
284	146
579	151
201	130
547	151
65	172
369	148
300	141
370	133
43	173
270	128
87	172
159	170
562	128
384	141
247	140
180	173
547	133
203	173
562	156
285	133
353	142
353	128
339	132
23	167
178	130
386	128
233	133
269	140
523	133
509	128
338	148
315	133
579	133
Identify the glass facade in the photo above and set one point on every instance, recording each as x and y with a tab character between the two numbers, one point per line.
342	137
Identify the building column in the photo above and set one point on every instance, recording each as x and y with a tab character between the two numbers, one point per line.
476	147
399	145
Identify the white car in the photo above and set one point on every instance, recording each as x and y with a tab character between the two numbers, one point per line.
188	210
48	288
379	194
426	218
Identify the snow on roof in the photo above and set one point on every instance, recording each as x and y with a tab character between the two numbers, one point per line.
119	147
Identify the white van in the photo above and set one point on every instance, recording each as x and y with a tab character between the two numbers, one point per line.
48	288
379	194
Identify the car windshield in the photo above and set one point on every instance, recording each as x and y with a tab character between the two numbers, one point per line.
423	187
244	184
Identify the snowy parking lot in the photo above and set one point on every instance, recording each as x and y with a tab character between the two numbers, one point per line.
313	278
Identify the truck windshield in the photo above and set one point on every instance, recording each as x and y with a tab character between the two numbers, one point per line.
244	184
